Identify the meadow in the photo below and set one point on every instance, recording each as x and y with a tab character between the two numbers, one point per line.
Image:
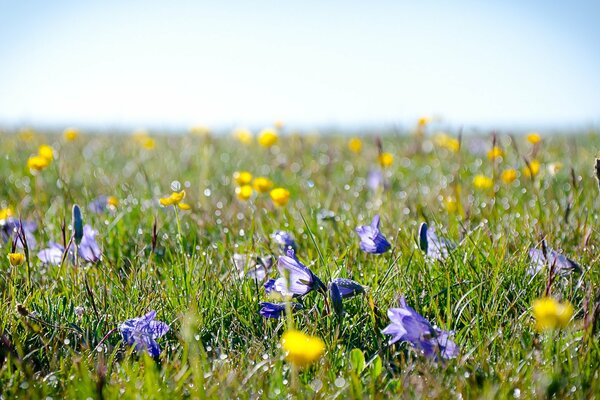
179	221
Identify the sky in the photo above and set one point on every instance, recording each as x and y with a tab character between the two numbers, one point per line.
309	64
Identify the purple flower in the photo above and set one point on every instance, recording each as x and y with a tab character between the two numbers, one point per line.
432	246
88	249
276	310
10	227
284	240
561	264
371	240
336	298
253	267
347	287
269	286
409	326
375	179
142	333
300	278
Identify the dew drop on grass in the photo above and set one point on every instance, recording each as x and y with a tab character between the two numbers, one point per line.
285	382
176	186
67	341
339	382
316	385
24	385
207	192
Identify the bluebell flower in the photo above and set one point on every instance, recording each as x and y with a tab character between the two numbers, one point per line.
143	332
276	310
561	264
434	247
88	249
77	224
52	254
300	278
409	326
10	227
269	286
284	240
336	298
375	179
348	288
253	267
371	239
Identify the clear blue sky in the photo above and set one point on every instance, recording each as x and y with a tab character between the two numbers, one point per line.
144	63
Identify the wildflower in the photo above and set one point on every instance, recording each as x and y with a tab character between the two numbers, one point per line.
508	176
355	145
143	332
11	228
284	240
148	143
46	152
534	138
26	134
101	203
550	314
558	262
336	298
280	196
71	134
385	159
409	326
262	184
494	153
371	239
451	204
423	121
242	177
375	179
301	349
77	224
173	200
200	130
88	249
267	137
6	213
297	279
432	246
243	135
53	254
16	259
253	267
184	206
554	168
348	288
446	141
278	124
531	169
243	192
482	182
37	163
276	310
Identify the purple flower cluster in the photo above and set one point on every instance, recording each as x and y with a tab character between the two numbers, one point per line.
88	249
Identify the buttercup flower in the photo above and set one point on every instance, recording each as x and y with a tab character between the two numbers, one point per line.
71	134
355	145
446	141
534	138
482	182
37	163
495	152
262	184
280	196
371	239
532	169
142	332
508	175
16	259
244	192
409	326
385	159
242	177
297	279
301	349
243	135
200	130
46	152
550	314
267	137
174	199
276	310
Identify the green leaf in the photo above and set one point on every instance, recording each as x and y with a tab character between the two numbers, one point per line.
357	359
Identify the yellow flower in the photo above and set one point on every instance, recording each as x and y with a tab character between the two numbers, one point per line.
174	199
533	169
16	259
71	134
482	182
423	121
550	314
508	175
6	213
112	201
280	196
148	143
37	163
386	159
200	130
279	124
448	142
451	204
243	135
301	349
26	135
494	153
244	192
554	168
242	177
534	137
355	145
262	184
46	152
267	137
184	206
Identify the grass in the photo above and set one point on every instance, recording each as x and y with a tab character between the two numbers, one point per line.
218	346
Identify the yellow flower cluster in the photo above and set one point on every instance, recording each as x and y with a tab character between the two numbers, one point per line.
446	141
247	185
42	159
175	199
550	314
301	349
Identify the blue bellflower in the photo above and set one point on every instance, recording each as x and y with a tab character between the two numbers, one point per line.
143	332
88	249
433	247
10	227
253	267
348	288
371	239
300	278
409	326
276	310
284	240
561	264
